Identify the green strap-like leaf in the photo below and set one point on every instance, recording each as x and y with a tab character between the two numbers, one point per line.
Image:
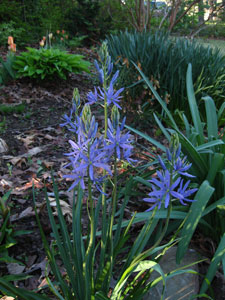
215	262
198	162
147	138
161	102
209	145
9	289
193	105
211	115
217	163
195	213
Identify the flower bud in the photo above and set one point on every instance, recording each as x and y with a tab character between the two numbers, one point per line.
174	142
42	43
13	47
86	116
115	116
76	97
50	36
10	40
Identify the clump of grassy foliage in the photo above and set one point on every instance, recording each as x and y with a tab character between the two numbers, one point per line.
165	60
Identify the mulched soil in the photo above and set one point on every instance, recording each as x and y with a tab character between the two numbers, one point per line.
36	144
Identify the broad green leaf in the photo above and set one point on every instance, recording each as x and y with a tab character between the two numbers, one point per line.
195	213
145	265
161	214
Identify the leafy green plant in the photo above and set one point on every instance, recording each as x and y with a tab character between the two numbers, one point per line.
7	109
49	63
207	155
76	41
165	59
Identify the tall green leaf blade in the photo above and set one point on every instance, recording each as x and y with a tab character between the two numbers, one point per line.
209	145
163	129
217	164
23	294
221	111
147	138
198	162
195	213
215	262
162	103
211	115
193	105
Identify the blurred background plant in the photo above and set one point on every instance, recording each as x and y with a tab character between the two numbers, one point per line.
6	69
164	61
28	21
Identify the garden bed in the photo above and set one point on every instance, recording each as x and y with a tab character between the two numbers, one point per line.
36	144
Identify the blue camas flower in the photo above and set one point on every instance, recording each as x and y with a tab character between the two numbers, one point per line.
92	97
117	141
163	190
94	158
170	186
112	97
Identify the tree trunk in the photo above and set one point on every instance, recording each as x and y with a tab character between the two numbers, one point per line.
200	12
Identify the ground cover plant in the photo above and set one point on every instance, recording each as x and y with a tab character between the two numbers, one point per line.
164	61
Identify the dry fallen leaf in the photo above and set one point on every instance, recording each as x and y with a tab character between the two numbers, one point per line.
30	153
36	182
6	183
66	208
14	268
27	140
3	146
26	213
7	298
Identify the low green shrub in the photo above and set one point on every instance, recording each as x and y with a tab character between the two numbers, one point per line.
165	59
49	63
